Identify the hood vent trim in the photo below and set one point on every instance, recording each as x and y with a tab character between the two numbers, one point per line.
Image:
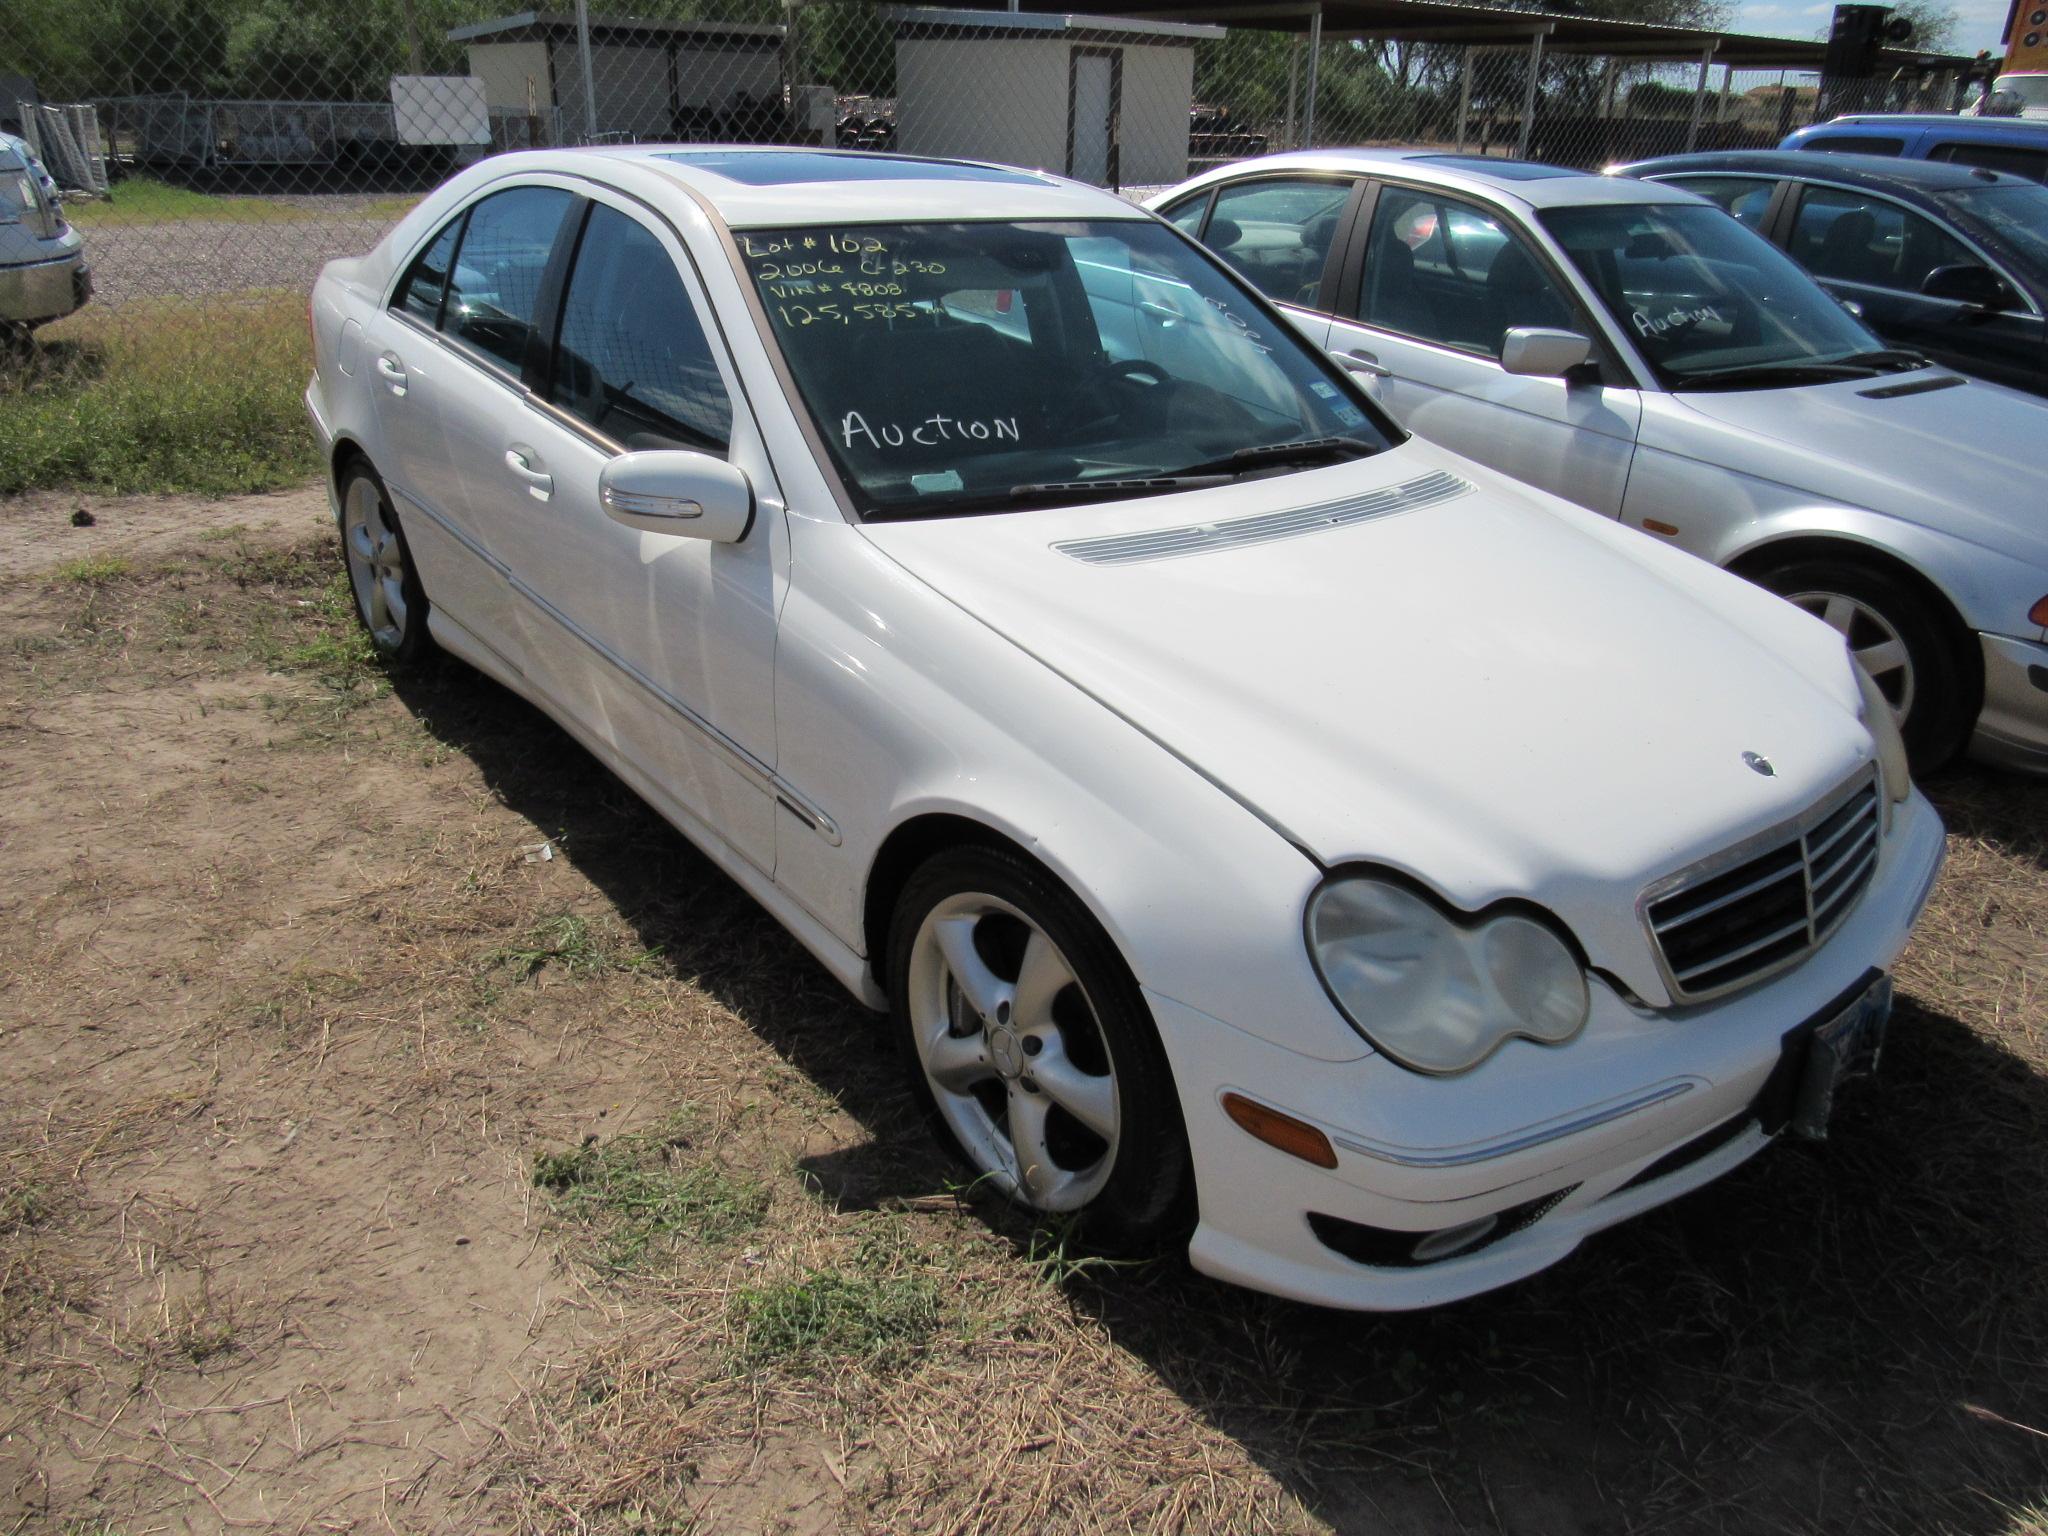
1266	527
1916	387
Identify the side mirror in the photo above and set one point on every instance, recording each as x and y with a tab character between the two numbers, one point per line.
1967	283
1543	354
685	495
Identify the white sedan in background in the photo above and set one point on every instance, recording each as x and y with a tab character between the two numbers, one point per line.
1632	348
1267	832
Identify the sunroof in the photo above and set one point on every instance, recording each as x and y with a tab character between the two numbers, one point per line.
1506	170
781	168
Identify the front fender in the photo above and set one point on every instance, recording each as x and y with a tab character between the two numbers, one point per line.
893	703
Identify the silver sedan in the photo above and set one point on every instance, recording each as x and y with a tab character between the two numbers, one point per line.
1634	349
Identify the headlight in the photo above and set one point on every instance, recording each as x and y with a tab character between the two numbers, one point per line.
1431	993
1892	766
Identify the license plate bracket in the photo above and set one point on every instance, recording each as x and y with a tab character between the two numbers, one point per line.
1840	1048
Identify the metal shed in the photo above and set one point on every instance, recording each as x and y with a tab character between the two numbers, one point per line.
645	79
1098	98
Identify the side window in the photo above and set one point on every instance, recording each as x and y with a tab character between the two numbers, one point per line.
1278	233
1187	216
1855	144
632	359
1745	197
2030	163
1450	274
419	294
1852	238
494	291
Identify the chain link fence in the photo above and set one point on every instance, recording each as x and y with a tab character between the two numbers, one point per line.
215	153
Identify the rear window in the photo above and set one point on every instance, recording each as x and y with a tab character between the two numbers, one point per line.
2030	163
1855	144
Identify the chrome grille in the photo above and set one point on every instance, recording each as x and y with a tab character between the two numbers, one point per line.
1736	919
1263	527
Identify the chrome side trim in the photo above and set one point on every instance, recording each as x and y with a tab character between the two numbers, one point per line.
1265	527
749	766
1519	1141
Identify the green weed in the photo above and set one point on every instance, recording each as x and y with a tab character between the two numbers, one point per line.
643	1197
93	570
880	1310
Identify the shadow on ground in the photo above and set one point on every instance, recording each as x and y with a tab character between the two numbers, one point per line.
1844	1338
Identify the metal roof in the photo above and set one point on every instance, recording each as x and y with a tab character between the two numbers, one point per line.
1448	21
536	26
1039	23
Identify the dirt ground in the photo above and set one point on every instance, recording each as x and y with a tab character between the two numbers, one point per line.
403	1130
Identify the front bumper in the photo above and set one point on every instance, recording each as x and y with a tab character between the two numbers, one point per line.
2012	728
44	290
1554	1143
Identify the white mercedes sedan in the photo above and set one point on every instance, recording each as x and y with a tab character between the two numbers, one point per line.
1636	350
1267	832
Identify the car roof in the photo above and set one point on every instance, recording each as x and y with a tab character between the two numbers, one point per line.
1978	130
1528	182
749	186
1885	173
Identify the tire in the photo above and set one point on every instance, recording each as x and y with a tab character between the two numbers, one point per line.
1901	640
390	603
1070	1058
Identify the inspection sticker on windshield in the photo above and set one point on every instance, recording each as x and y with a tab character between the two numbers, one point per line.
1350	415
1326	390
944	480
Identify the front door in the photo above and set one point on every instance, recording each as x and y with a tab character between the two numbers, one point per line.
663	646
1443	281
1093	107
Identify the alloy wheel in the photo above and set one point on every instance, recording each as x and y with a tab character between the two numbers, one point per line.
376	563
1872	640
1014	1052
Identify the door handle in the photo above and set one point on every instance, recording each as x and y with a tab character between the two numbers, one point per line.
392	372
539	484
1365	362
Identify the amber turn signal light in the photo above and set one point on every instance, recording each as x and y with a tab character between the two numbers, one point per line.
1294	1137
2038	614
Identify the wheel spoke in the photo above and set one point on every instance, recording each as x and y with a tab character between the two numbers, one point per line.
957	1062
1032	1163
1089	1099
394	600
1883	657
1041	978
1840	613
986	992
362	544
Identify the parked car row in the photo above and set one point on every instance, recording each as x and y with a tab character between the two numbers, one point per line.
1627	346
1222	703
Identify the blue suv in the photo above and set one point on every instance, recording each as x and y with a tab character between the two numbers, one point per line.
2012	145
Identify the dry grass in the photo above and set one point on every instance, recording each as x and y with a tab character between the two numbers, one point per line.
769	1307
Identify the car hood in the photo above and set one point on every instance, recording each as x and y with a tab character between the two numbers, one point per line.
1963	459
1495	692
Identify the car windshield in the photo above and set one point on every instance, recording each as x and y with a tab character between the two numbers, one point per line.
2013	215
975	366
1706	300
17	191
2032	90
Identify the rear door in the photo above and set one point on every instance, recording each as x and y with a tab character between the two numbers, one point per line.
449	354
1876	252
1438	283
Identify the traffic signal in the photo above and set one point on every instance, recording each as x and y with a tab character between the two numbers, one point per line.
1859	33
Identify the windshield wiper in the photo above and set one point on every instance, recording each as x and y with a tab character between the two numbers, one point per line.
1090	490
1780	373
1891	359
1307	450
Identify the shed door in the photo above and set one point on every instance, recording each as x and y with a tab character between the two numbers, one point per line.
1094	100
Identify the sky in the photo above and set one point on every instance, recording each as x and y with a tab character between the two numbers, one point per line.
1982	20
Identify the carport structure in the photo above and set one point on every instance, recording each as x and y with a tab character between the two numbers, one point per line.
1538	32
